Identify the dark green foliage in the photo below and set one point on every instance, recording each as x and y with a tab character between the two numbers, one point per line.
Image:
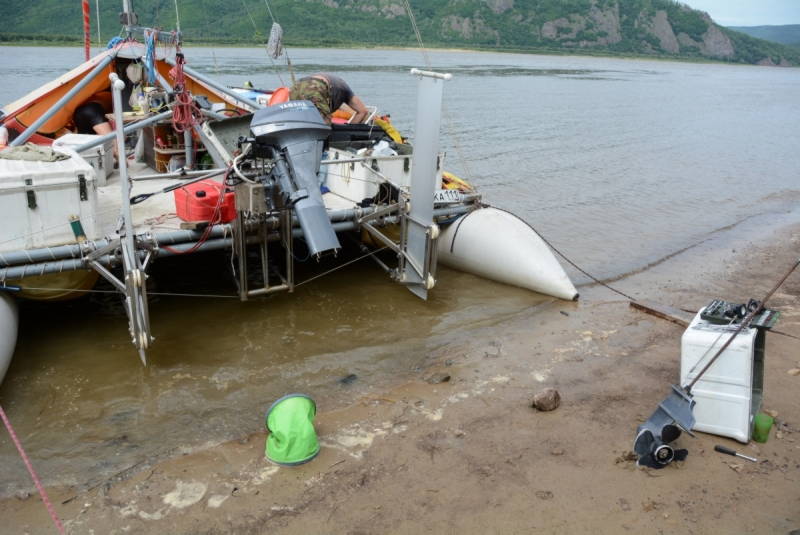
684	20
752	50
788	34
452	23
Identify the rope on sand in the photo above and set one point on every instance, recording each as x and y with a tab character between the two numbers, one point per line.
35	478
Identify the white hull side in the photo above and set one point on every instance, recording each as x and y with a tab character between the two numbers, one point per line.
8	331
501	247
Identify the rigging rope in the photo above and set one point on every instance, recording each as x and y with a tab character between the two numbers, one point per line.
32	472
160	294
97	12
270	11
253	22
177	17
565	257
452	132
185	113
416	32
172	294
341	266
275	44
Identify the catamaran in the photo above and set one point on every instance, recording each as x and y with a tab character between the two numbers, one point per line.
217	168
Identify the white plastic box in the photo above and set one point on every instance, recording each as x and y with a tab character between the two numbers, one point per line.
100	157
729	394
355	182
39	199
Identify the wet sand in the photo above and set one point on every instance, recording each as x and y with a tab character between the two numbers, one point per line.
470	456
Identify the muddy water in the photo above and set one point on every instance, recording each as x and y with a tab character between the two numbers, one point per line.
618	162
86	408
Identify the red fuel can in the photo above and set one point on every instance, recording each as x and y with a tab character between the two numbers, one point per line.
196	202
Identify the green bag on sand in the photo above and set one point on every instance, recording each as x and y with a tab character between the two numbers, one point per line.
292	439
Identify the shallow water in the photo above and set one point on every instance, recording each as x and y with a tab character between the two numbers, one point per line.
619	163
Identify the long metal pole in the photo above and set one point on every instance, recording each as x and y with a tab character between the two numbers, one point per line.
188	149
97	13
186	238
423	179
126	8
221	88
745	323
177	174
55	108
76	251
117	86
138	125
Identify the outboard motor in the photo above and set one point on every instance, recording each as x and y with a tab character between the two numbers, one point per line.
293	135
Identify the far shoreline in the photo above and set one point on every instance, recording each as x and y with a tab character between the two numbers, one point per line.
532	51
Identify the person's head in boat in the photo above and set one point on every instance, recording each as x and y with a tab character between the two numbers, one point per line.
328	93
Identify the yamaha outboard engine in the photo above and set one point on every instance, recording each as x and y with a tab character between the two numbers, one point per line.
293	135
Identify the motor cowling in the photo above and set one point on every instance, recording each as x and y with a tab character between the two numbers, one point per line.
293	134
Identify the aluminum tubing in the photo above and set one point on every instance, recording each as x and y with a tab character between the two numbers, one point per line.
45	268
68	257
75	251
47	254
138	125
224	243
221	88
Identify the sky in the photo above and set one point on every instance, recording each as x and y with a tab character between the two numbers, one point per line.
749	12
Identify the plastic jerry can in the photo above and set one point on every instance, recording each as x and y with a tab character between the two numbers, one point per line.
197	202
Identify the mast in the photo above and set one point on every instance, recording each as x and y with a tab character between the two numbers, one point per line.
87	38
128	17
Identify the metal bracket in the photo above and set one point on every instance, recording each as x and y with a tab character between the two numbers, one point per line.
240	249
82	187
30	194
134	275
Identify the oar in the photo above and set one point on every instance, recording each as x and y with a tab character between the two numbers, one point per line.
136	199
745	323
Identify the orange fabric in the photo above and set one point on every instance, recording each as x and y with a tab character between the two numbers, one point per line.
64	115
16	126
342	114
97	89
279	95
195	87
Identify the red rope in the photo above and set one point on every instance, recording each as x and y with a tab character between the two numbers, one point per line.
35	478
185	113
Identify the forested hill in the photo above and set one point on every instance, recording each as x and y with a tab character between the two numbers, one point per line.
662	28
788	34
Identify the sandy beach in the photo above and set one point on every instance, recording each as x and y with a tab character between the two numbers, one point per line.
470	455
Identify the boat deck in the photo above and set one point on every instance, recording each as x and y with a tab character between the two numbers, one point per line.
153	214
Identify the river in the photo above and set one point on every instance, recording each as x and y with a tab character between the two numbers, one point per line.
618	162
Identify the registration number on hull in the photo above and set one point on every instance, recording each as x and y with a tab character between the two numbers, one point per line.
444	196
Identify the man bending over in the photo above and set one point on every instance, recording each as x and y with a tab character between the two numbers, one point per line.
328	93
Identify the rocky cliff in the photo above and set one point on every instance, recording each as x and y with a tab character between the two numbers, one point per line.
653	27
650	27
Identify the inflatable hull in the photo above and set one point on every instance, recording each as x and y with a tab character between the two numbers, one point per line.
9	321
499	246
